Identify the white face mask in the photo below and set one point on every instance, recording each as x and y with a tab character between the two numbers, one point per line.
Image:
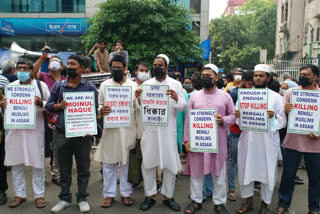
284	91
54	66
237	77
143	76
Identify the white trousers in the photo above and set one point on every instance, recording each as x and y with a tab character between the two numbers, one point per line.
248	191
219	194
110	180
150	184
19	183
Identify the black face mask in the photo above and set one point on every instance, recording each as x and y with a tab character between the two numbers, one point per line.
206	82
71	72
304	81
117	75
158	73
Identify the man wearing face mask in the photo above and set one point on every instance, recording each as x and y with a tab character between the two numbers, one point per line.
159	144
298	145
55	67
25	147
200	164
115	143
258	152
67	147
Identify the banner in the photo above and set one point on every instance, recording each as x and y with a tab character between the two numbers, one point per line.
253	106
119	98
305	115
20	112
154	105
203	131
80	115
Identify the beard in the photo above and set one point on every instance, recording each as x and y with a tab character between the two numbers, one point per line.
261	86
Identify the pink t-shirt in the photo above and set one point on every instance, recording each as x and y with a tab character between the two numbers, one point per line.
300	142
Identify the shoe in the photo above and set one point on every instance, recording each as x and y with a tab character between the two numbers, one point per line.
56	181
3	198
171	204
221	209
147	203
84	206
298	180
159	188
61	205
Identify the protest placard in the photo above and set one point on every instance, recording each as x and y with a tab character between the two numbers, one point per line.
119	98
80	114
203	131
154	105
253	106
20	112
305	115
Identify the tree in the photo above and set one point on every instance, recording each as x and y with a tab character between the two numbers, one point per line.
237	39
147	27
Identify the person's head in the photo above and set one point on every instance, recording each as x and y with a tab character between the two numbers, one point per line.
141	71
238	72
55	64
196	80
283	88
187	84
220	83
247	80
118	68
113	47
286	76
160	66
8	67
274	85
209	76
308	74
24	68
230	77
87	64
261	76
119	45
80	53
101	45
75	66
178	75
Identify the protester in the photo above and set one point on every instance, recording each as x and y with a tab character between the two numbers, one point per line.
283	88
119	51
9	70
230	80
55	67
187	85
66	147
298	145
199	163
101	56
233	137
258	161
288	79
88	62
24	147
112	148
159	144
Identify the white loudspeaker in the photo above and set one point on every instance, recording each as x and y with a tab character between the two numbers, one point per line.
16	51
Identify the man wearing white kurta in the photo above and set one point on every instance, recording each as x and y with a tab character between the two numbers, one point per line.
159	144
115	143
258	153
25	147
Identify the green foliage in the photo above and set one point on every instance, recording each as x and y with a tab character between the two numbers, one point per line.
237	39
147	27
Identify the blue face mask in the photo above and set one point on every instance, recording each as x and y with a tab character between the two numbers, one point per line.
23	76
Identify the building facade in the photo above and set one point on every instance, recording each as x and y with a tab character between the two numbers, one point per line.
298	29
233	7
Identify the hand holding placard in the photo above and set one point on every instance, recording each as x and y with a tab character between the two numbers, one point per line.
173	94
60	106
105	110
3	103
219	119
38	101
187	146
288	107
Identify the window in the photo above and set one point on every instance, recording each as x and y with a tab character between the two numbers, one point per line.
43	6
195	5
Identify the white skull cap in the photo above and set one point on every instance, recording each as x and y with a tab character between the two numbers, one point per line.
262	67
165	58
213	67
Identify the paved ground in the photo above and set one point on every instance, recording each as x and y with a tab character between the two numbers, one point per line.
299	203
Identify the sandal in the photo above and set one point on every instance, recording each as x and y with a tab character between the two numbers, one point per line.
265	210
231	196
16	202
193	208
40	202
221	209
128	201
244	208
282	211
107	202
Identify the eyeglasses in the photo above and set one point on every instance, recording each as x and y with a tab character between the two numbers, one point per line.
23	68
116	68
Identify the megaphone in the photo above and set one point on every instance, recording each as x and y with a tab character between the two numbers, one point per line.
16	51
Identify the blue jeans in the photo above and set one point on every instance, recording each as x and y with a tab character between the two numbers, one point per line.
291	161
233	140
207	186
